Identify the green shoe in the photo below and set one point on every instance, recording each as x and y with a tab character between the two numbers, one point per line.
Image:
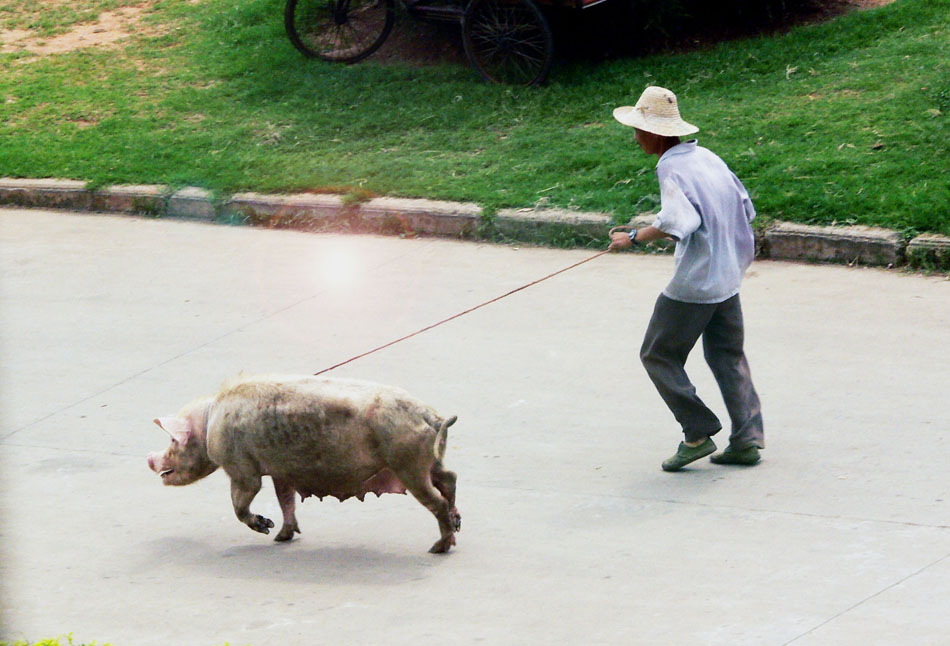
745	457
686	454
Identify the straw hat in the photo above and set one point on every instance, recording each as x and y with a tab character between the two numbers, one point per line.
655	112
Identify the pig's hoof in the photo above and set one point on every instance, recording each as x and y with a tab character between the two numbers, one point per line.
286	533
442	545
260	524
456	519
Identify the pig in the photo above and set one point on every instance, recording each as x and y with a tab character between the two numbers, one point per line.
314	437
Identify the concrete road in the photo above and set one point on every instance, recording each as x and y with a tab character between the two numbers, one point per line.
571	532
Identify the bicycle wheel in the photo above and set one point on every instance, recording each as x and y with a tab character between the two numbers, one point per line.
343	31
508	41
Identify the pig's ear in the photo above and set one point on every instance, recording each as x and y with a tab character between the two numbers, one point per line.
178	428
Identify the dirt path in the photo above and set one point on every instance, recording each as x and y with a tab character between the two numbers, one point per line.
106	31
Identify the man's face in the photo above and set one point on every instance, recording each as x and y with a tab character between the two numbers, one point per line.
647	141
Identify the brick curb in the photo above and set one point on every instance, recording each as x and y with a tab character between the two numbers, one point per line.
399	216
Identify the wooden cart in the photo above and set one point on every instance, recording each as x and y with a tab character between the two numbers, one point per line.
507	41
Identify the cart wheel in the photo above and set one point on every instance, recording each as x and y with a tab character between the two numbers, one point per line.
343	31
508	41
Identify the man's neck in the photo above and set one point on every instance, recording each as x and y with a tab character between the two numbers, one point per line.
666	144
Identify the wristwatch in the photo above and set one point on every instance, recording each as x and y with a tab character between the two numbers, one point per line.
633	236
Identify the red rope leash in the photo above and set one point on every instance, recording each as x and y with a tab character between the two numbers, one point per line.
468	311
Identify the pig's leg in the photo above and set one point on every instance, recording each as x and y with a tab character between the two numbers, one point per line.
424	491
243	491
444	480
286	497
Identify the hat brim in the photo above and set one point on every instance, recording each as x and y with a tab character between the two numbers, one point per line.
628	115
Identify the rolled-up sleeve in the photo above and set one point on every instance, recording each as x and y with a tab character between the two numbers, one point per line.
677	216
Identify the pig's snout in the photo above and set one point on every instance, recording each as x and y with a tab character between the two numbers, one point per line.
152	458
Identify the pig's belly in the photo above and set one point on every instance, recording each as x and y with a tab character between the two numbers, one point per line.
343	486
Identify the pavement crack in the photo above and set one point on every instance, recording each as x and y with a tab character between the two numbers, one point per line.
866	599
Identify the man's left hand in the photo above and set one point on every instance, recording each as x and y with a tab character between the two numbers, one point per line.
619	240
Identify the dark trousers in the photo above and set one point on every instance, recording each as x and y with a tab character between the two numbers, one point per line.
673	331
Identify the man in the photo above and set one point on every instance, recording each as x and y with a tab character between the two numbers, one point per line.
707	211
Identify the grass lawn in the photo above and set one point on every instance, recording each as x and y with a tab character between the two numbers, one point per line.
842	122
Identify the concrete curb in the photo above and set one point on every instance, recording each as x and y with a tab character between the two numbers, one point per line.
311	211
46	193
552	225
852	244
149	200
426	217
929	251
191	202
410	217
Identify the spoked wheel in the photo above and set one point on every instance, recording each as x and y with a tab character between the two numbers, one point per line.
508	41
343	31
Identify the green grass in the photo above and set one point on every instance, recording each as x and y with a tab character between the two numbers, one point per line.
843	122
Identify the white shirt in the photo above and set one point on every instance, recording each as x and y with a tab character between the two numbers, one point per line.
708	210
